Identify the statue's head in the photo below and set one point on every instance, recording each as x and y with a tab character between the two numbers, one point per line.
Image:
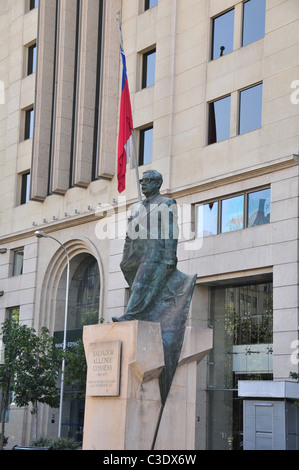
151	182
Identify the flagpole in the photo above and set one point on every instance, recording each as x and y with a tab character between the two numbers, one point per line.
132	130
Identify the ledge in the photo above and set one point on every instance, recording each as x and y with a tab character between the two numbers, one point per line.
268	389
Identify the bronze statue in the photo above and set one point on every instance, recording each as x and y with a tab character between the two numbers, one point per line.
149	256
159	291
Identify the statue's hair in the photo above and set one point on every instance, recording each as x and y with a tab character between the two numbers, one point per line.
154	174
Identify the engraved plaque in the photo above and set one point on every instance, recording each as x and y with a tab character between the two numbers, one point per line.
103	372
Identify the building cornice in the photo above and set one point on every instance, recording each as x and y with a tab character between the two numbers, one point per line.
185	191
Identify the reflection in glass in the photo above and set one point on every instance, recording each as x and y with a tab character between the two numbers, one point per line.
31	59
25	189
242	320
251	108
219	120
149	69
232	213
207	215
223	34
259	207
18	258
146	146
253	21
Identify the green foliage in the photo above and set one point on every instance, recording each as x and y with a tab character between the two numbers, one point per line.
294	376
90	317
29	368
76	369
58	443
37	372
248	329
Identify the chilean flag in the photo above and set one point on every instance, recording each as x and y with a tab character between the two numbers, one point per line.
125	127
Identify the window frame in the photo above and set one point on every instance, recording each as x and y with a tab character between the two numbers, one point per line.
210	103
29	123
14	271
147	5
213	33
141	144
243	90
243	25
32	4
25	188
144	72
219	200
31	58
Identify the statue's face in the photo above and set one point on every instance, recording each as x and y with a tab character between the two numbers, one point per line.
150	186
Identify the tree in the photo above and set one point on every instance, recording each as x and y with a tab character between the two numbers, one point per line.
37	373
29	368
76	369
13	340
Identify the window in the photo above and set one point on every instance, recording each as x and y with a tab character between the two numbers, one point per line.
251	109
146	146
31	68
207	215
148	68
29	119
13	312
234	213
150	4
25	188
223	34
242	321
18	258
33	4
253	21
258	207
219	120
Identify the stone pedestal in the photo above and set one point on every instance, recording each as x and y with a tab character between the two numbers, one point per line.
123	397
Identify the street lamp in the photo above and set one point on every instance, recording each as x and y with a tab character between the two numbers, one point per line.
41	234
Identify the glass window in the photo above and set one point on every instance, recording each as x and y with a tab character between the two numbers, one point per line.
223	34
149	68
25	189
150	4
18	258
232	213
146	146
219	120
207	219
242	320
14	312
251	108
253	21
31	59
259	207
33	4
29	119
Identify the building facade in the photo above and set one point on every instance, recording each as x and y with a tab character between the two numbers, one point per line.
214	93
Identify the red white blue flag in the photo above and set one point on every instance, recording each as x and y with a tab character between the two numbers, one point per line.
125	127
